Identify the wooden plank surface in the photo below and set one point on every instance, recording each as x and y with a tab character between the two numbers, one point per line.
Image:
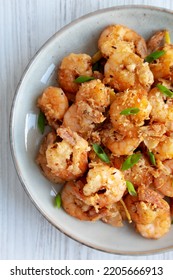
24	26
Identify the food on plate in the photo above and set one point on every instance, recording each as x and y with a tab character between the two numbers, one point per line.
110	139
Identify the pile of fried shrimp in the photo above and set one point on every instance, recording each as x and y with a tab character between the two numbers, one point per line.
110	139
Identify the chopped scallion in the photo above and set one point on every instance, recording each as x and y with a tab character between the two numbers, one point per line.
83	79
101	153
130	161
129	111
155	55
152	158
41	122
165	90
131	188
58	200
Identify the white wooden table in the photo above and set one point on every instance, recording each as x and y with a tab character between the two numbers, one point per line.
24	26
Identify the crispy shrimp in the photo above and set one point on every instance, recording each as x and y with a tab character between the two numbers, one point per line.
150	212
113	216
71	120
163	66
141	173
104	185
158	228
118	144
95	93
162	108
88	118
152	134
145	207
77	207
163	182
140	211
124	70
41	160
135	98
73	66
53	103
164	150
156	41
75	120
68	159
126	146
121	38
92	99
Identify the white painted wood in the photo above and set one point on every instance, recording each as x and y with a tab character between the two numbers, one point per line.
24	26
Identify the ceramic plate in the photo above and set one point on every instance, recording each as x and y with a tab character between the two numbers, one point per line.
79	36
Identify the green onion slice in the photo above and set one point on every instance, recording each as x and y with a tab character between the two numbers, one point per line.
165	90
130	161
152	158
131	188
41	122
154	56
58	200
130	111
83	79
101	153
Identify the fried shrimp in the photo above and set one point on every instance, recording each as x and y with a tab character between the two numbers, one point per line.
156	41
92	99
163	181
140	211
162	108
68	159
94	93
125	70
152	134
163	66
121	38
125	146
158	228
104	185
53	103
113	216
73	66
41	160
164	150
141	173
88	118
71	119
144	207
161	145
119	144
136	98
76	207
150	212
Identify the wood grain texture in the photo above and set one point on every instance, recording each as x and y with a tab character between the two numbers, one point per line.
24	26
